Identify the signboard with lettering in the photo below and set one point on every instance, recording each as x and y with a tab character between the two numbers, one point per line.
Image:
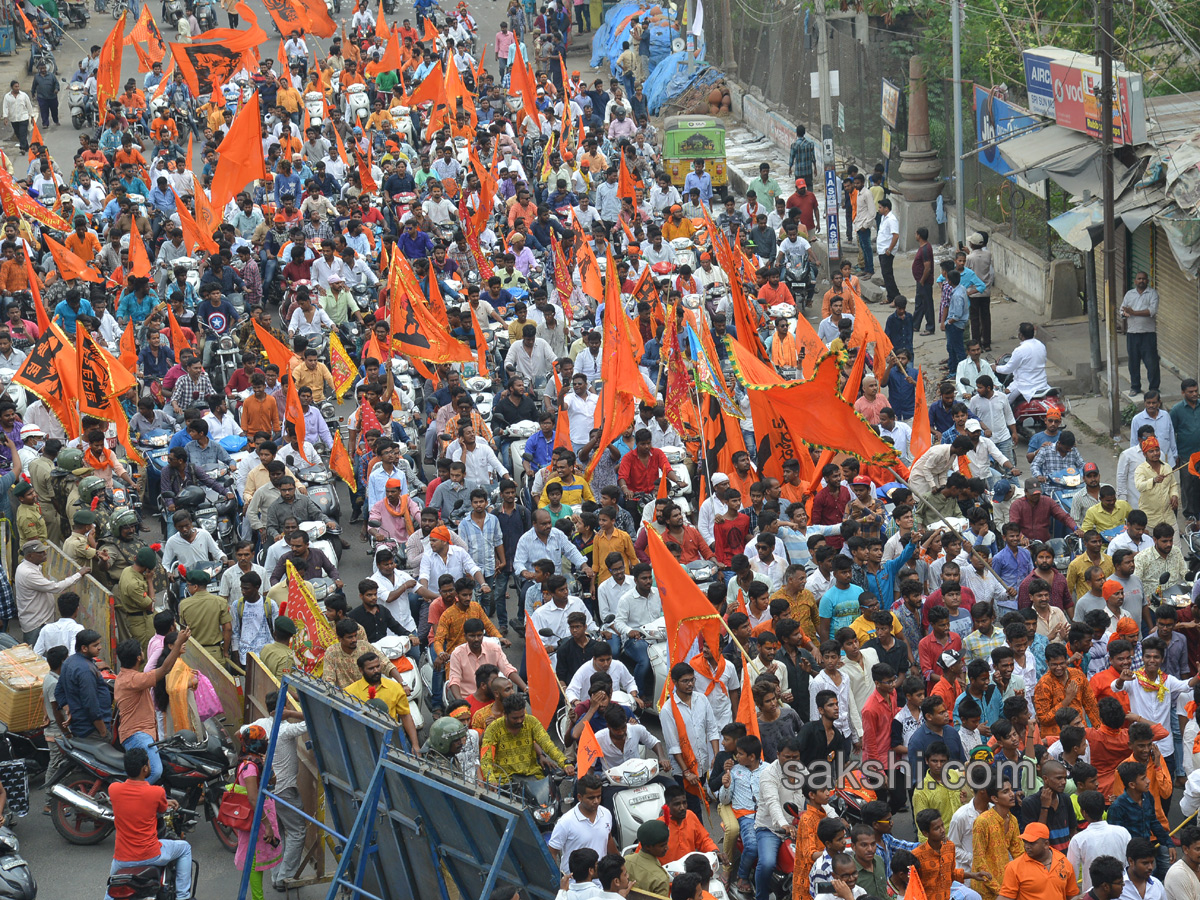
831	213
890	105
1064	85
995	121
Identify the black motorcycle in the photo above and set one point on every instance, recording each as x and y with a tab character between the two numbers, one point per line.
195	772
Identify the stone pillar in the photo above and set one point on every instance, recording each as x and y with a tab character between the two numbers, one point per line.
915	193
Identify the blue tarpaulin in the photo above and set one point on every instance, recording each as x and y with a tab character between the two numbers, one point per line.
606	43
673	76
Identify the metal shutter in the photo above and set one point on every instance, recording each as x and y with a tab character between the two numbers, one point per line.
1178	318
1141	255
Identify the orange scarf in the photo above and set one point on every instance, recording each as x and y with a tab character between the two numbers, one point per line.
95	463
690	763
700	664
964	466
401	511
783	351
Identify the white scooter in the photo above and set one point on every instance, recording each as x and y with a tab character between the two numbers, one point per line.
715	887
396	649
660	658
641	800
314	105
519	433
358	105
679	493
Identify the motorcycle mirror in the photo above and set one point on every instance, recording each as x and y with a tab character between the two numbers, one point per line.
546	632
374	523
1164	578
964	382
792	810
609	619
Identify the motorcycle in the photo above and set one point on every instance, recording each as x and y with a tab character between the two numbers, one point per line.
679	492
16	880
206	15
331	546
81	105
77	13
150	882
1031	412
321	488
195	771
480	389
802	282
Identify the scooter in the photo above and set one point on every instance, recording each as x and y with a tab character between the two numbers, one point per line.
206	15
660	656
321	488
315	107
396	649
82	107
641	799
715	887
172	12
77	13
358	105
16	880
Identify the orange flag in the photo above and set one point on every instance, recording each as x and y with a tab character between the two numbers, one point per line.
364	174
562	430
239	157
294	413
430	31
193	234
921	439
772	431
178	338
481	344
915	890
277	352
108	75
391	60
70	264
381	26
139	260
686	609
588	753
129	354
521	84
339	462
543	684
43	321
49	372
1192	462
746	712
626	183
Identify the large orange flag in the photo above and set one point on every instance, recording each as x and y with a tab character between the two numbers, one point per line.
521	84
70	265
626	182
277	352
623	383
108	75
747	714
206	219
239	157
822	417
178	338
139	260
772	431
49	373
43	321
129	353
339	462
193	236
293	412
688	613
391	60
481	344
543	684
921	439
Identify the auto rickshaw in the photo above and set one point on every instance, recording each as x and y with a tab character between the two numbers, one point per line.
688	138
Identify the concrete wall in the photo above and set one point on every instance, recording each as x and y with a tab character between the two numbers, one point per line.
1022	272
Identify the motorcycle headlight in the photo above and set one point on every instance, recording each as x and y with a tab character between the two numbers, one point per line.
226	343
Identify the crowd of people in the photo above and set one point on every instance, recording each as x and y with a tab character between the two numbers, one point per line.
965	619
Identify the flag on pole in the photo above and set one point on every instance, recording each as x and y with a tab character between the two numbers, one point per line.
313	634
543	684
341	366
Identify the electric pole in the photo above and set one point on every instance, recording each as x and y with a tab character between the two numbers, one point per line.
1110	229
825	102
960	193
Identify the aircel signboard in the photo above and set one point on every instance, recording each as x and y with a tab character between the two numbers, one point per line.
1064	85
996	121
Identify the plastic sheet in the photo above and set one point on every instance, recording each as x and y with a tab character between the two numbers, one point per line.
606	43
672	77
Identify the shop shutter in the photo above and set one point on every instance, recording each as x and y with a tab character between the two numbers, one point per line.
1178	317
1140	254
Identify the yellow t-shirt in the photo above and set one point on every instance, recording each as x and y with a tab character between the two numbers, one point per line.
389	691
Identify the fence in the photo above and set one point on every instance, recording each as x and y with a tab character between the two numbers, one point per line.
774	50
259	683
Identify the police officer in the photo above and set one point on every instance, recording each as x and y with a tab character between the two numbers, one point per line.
135	597
207	615
31	525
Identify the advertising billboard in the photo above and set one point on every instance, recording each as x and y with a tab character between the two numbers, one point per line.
995	121
1064	85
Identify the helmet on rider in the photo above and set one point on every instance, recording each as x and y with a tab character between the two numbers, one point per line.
90	487
70	458
444	733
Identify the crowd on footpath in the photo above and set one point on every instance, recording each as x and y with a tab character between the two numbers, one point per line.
983	614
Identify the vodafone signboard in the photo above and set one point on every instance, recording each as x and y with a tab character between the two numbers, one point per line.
1064	85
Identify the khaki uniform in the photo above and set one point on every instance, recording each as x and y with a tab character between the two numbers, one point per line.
135	606
206	614
76	549
122	555
64	488
39	477
277	658
31	525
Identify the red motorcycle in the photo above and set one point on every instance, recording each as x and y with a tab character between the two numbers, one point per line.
1031	412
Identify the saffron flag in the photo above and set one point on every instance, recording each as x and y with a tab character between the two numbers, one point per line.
193	235
562	430
43	321
391	60
15	202
521	84
178	338
588	753
239	157
921	439
295	15
686	609
93	376
627	184
772	430
746	712
293	412
543	684
339	462
69	264
341	366
313	634
49	373
129	353
139	260
481	344
276	351
108	74
418	333
206	220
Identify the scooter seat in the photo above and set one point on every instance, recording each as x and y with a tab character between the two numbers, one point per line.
1049	392
103	751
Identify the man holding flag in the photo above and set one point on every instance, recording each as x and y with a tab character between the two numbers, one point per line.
691	734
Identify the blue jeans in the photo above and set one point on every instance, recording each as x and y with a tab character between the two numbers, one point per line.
768	843
636	652
864	244
749	847
959	891
499	583
179	852
439	680
955	348
143	740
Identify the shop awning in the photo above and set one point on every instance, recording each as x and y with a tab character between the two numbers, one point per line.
1071	159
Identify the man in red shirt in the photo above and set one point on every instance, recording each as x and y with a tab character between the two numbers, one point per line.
730	529
829	503
641	470
685	535
877	715
136	805
772	291
805	201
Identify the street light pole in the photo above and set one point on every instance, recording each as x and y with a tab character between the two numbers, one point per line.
825	103
960	193
1110	228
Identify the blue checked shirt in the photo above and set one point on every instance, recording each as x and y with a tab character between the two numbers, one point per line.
482	541
1049	460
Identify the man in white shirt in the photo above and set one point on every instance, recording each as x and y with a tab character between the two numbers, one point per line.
719	681
586	824
1096	839
329	266
483	466
531	357
699	724
970	369
438	208
580	403
601	661
899	432
1027	365
887	238
635	610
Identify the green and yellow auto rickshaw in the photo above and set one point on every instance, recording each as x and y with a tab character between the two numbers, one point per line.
688	138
